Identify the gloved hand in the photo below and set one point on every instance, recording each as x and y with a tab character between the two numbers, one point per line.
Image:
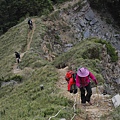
96	82
67	79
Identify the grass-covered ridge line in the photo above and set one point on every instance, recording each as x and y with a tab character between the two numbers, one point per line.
13	40
87	53
16	39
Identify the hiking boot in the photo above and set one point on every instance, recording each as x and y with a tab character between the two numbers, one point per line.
83	104
90	103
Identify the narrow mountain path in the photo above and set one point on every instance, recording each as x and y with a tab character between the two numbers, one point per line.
102	104
16	68
30	36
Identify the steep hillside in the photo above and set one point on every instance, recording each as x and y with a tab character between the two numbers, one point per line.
54	44
13	12
102	104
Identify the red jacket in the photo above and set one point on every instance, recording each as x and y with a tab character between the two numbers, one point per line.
70	83
69	78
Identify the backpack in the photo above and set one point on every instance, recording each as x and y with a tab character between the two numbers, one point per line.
73	87
29	22
17	55
70	74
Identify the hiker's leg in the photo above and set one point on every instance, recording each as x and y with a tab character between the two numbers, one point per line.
83	99
89	92
30	27
75	89
17	60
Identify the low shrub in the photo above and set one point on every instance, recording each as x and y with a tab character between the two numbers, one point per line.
110	50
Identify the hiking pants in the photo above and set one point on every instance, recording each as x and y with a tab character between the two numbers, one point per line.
17	60
86	97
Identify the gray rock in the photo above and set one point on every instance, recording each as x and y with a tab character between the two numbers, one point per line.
116	100
62	119
68	45
117	35
87	33
82	23
118	81
89	15
11	82
93	21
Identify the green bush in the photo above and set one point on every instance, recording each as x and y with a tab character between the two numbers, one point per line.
17	78
59	1
92	53
110	50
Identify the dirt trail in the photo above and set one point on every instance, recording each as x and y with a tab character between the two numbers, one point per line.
30	37
16	68
102	104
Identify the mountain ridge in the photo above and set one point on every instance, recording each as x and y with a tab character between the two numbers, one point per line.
44	57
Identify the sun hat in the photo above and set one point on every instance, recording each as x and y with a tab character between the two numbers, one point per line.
83	72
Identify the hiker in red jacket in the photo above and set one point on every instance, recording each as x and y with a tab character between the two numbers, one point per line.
83	83
70	78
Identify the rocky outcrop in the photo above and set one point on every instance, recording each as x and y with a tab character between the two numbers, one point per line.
88	23
79	22
69	26
111	73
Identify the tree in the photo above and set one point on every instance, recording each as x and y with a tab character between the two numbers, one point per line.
11	11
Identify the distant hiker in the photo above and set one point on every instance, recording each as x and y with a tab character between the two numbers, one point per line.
30	24
83	83
70	78
17	55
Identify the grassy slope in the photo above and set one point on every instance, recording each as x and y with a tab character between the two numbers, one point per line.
26	101
87	54
11	41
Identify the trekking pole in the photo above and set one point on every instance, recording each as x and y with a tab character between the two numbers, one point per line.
97	94
78	95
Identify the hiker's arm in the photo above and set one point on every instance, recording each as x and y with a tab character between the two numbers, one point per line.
67	79
77	81
93	78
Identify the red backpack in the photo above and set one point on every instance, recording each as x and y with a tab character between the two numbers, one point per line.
70	74
71	84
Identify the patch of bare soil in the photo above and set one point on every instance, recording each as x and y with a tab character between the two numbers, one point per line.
102	104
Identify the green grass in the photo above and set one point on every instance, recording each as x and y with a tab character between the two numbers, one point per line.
27	101
13	40
110	50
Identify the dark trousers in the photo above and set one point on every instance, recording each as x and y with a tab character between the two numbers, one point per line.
86	97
